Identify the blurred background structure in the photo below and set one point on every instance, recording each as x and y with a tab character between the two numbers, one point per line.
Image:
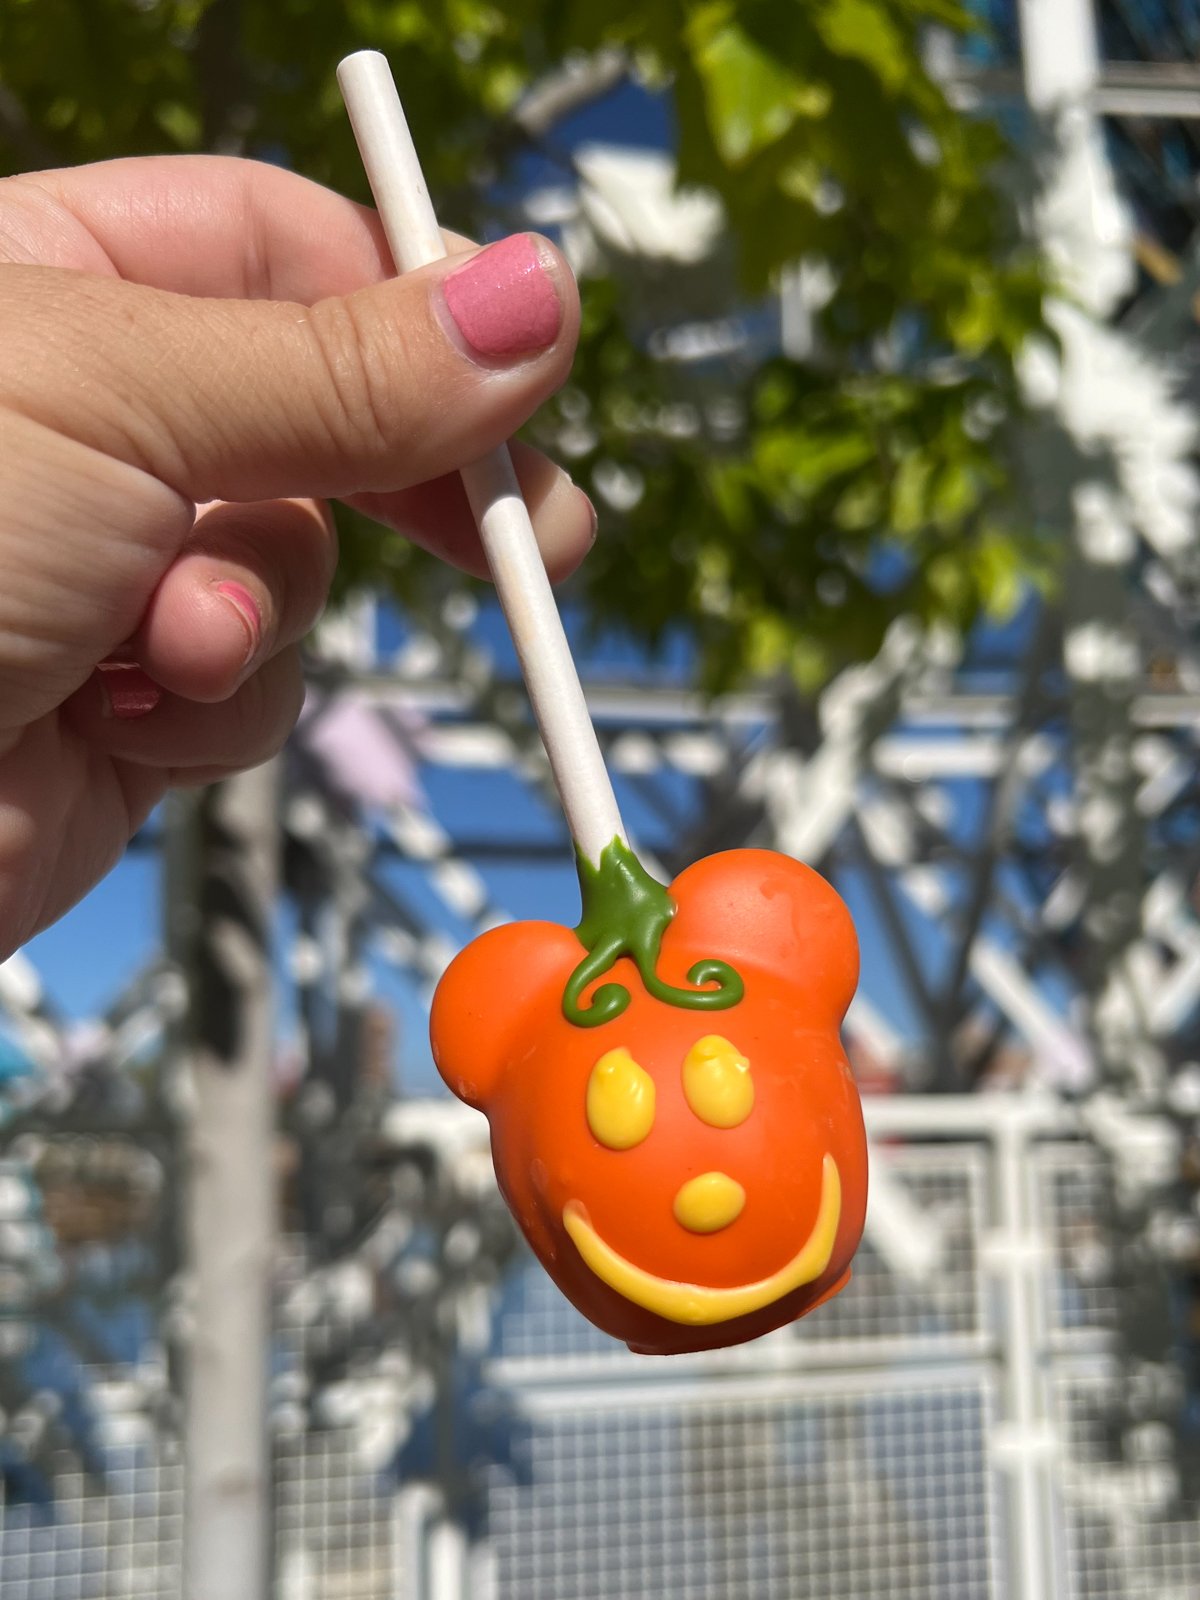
890	415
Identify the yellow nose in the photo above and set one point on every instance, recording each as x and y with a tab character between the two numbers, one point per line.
708	1203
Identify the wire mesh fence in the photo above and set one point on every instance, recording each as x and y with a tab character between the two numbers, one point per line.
866	1455
118	1537
813	1488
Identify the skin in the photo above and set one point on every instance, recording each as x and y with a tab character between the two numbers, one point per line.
196	354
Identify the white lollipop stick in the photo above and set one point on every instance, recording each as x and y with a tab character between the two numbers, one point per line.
516	564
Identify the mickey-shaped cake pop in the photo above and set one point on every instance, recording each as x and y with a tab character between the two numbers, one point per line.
682	1145
674	1123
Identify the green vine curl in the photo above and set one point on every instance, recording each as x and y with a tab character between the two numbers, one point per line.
625	913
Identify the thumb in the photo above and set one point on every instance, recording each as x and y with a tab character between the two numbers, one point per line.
248	400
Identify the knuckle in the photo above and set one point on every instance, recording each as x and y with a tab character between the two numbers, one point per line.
356	392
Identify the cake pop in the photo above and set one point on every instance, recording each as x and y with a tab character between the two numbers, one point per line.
674	1123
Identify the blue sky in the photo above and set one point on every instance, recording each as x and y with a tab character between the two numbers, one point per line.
87	957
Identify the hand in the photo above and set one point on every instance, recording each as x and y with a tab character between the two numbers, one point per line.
191	351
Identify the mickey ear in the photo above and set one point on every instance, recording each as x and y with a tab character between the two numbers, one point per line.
493	993
757	908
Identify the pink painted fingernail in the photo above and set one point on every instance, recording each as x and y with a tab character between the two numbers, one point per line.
246	606
504	302
126	691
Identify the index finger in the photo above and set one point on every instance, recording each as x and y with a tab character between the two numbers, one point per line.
205	225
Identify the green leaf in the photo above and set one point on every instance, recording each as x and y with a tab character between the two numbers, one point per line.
752	97
180	123
956	490
910	492
862	30
810	460
999	567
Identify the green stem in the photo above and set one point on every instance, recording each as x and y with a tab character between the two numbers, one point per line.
625	913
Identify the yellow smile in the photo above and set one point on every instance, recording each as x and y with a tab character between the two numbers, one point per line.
693	1303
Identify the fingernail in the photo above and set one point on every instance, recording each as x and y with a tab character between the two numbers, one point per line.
595	519
246	606
504	302
125	690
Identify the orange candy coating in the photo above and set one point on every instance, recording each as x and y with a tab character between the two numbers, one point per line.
731	1120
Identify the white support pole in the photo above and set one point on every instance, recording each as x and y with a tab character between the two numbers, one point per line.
1060	58
447	1561
416	1509
1083	229
1081	221
230	1200
1024	1444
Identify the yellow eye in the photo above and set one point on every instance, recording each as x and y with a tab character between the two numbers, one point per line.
717	1082
620	1100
